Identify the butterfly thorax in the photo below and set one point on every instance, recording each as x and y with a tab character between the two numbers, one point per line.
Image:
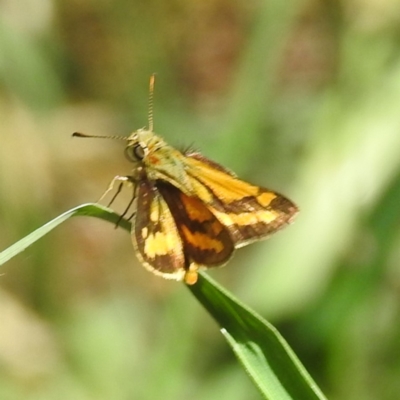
156	160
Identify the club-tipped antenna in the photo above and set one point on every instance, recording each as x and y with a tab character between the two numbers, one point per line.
151	98
84	135
150	117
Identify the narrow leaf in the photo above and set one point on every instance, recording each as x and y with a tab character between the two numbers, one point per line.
265	355
263	352
91	210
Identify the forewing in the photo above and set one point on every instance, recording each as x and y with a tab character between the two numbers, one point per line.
206	241
198	156
155	235
249	212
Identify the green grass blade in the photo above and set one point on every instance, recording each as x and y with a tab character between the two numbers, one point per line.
263	352
91	210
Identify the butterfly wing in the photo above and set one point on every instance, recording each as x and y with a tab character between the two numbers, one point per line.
249	212
206	241
155	235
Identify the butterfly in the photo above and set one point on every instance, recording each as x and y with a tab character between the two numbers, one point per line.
191	212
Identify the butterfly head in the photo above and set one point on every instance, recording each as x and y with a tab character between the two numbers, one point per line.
141	145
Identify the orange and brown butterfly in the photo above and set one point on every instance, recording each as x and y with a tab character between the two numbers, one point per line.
191	212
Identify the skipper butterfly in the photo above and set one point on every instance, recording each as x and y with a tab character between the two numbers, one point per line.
191	212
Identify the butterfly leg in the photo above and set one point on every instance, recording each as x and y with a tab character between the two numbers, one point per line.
122	180
133	182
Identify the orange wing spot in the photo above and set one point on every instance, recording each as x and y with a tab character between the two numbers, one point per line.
247	218
216	227
202	241
244	218
264	199
265	217
200	214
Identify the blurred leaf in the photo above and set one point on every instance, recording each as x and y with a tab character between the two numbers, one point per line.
265	355
90	210
353	157
26	70
254	84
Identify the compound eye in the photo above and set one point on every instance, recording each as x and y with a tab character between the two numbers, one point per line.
135	153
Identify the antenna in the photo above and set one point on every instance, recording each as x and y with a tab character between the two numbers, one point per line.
84	135
151	97
150	116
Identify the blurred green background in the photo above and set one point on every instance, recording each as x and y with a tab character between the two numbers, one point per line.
299	96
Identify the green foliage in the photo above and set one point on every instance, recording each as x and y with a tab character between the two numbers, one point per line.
265	355
301	97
